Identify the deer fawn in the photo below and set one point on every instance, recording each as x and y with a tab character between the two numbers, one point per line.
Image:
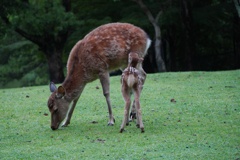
104	49
133	78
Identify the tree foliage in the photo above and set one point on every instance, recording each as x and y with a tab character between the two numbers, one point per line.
36	36
47	24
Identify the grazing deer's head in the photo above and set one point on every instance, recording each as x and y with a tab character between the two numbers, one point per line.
57	105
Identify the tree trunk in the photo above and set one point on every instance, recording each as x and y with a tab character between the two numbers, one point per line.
55	66
189	47
157	45
52	50
172	58
158	55
236	35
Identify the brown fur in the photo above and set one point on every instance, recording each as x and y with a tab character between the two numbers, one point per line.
133	78
104	49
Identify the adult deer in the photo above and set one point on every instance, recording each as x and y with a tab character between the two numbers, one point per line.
104	49
133	78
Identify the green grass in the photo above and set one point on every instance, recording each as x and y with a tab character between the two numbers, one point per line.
201	122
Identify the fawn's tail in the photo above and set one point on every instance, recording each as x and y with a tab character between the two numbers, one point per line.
131	80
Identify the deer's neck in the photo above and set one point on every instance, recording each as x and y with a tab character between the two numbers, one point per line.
74	85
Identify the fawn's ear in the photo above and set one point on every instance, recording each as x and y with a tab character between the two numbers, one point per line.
140	60
52	87
60	92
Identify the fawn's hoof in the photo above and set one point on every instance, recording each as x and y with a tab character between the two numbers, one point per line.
121	130
142	130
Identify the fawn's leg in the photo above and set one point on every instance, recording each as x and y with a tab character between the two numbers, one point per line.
133	110
138	108
104	79
127	99
69	113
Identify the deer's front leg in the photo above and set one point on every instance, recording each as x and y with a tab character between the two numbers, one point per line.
69	113
104	79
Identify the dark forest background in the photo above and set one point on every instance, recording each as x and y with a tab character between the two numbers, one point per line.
36	36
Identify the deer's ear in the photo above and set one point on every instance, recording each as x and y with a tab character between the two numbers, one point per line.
52	87
60	92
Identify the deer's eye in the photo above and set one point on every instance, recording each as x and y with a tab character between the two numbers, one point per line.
50	104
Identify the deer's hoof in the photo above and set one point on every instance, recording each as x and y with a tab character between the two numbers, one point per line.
110	124
121	130
142	130
137	125
133	115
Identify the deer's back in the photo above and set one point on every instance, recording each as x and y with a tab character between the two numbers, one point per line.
106	48
111	44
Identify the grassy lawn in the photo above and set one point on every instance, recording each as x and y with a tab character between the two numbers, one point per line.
187	115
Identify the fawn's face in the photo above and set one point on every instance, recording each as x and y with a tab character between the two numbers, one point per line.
57	106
